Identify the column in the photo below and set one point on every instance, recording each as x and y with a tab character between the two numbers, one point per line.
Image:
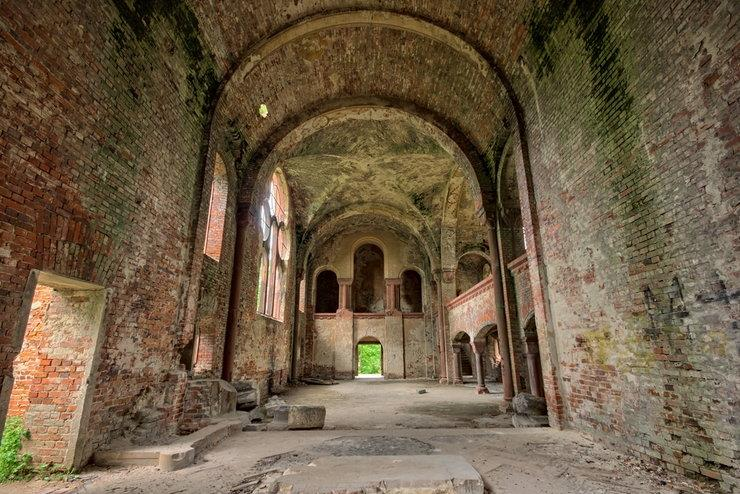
533	367
232	316
499	314
456	365
479	349
345	295
392	295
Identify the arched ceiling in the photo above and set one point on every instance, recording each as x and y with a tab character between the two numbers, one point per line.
368	161
497	28
300	58
365	60
357	156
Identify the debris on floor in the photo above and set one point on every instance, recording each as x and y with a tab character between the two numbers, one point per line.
324	382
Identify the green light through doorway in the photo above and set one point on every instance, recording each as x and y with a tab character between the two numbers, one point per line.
369	358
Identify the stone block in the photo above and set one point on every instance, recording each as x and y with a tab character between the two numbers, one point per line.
527	404
299	417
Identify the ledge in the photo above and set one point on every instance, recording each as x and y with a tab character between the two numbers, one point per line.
179	454
471	293
369	315
519	264
325	315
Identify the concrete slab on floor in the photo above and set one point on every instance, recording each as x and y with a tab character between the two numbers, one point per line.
442	474
176	455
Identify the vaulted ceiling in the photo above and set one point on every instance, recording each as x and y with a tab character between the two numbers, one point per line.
437	67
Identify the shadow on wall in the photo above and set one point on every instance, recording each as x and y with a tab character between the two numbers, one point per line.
368	286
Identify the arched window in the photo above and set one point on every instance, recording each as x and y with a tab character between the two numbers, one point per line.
472	268
368	285
275	249
327	292
217	211
410	291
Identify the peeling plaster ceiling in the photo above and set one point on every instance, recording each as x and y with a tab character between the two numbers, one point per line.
359	161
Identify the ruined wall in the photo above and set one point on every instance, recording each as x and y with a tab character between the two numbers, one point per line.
263	344
472	311
50	371
103	117
631	122
213	297
416	347
408	340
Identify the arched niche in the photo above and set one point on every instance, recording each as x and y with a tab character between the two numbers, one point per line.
368	285
472	268
411	291
462	341
327	292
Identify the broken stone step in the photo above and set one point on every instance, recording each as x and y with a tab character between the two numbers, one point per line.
175	456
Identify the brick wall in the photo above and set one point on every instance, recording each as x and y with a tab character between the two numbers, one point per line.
50	369
205	400
631	112
102	122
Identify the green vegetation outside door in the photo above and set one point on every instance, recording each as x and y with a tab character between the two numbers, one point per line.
369	359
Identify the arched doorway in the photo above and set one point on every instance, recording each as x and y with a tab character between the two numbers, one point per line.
463	354
369	354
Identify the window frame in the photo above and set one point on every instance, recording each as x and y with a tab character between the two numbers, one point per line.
274	249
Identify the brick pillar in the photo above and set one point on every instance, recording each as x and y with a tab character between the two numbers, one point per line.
345	295
392	295
456	363
534	368
499	314
479	349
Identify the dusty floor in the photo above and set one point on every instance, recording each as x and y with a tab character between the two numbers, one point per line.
396	420
398	404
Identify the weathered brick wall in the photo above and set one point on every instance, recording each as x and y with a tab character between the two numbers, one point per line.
205	400
472	311
263	344
102	122
631	112
519	269
215	284
50	370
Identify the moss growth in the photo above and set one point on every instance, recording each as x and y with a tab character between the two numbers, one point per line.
14	465
419	201
139	15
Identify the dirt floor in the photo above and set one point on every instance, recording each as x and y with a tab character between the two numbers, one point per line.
396	420
358	405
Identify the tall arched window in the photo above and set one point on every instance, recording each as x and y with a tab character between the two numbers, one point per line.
368	285
217	211
327	292
410	291
275	249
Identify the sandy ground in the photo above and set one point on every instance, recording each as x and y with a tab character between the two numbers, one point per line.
511	461
398	405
